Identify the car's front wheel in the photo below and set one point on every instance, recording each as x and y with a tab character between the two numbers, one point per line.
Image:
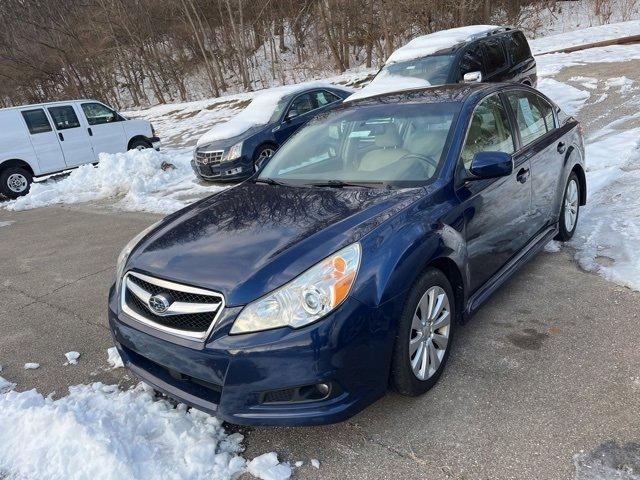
263	153
424	336
570	209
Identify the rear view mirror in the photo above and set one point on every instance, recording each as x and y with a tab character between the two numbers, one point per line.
472	77
491	165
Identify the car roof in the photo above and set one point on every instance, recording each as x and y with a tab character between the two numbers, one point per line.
60	102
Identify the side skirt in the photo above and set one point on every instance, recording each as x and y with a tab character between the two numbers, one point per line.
502	275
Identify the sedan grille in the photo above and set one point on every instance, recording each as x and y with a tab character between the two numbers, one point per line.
209	158
171	307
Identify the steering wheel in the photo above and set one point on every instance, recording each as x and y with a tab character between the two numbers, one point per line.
424	158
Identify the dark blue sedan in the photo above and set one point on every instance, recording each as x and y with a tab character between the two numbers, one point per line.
231	151
348	262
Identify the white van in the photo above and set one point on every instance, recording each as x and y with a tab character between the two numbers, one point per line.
47	138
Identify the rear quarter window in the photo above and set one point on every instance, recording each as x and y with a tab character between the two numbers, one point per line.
494	57
518	47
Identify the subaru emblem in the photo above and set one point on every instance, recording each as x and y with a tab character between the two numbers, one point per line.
159	303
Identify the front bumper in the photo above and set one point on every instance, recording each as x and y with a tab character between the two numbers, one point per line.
238	169
230	375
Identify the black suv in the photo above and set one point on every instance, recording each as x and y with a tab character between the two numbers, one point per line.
476	53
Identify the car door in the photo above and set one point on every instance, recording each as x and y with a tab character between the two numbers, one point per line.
300	111
105	128
542	145
74	139
495	60
496	211
44	140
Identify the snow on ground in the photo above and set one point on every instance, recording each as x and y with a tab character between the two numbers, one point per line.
114	359
31	366
72	357
100	431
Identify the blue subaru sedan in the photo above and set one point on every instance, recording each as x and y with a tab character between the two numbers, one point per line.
348	262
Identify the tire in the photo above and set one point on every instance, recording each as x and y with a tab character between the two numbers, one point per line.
570	211
139	145
15	182
261	153
405	378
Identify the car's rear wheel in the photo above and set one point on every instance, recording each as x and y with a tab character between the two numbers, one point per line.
15	182
570	209
425	333
262	154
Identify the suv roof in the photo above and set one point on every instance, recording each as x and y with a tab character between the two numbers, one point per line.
443	40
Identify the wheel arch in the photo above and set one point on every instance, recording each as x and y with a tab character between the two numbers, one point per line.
265	143
451	270
582	178
137	138
16	162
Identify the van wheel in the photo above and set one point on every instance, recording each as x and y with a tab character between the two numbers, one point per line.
425	333
139	145
15	182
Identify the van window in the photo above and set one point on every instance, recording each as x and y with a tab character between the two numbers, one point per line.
494	58
64	117
37	121
97	114
518	46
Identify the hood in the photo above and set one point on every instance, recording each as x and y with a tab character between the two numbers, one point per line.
248	240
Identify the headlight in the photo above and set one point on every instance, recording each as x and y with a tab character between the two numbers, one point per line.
306	298
126	251
234	152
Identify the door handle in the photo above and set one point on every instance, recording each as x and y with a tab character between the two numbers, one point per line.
562	147
90	132
523	175
60	136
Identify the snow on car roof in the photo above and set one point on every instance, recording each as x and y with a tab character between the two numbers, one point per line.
258	112
434	42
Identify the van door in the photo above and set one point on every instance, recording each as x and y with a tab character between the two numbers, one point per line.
44	141
73	139
105	128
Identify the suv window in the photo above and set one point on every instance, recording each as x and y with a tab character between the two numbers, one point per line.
37	121
518	46
98	114
489	130
494	58
325	98
529	116
471	60
64	117
302	104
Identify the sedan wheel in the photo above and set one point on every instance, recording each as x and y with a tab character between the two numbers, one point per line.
570	209
262	155
429	333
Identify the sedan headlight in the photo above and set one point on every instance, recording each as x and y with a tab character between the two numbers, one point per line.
306	298
126	251
234	152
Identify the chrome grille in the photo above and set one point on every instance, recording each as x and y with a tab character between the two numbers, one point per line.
209	158
189	312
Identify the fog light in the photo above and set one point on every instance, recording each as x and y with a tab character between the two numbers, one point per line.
323	389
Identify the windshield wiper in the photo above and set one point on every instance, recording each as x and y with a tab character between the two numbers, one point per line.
341	184
269	181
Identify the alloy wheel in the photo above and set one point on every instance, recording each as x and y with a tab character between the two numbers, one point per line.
17	182
571	205
430	330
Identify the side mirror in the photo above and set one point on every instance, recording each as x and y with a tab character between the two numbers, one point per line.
491	165
472	77
291	115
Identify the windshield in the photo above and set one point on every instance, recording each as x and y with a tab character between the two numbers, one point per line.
433	69
392	144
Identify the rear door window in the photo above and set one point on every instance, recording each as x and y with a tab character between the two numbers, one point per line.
494	58
529	116
547	112
325	98
302	104
64	117
37	121
471	61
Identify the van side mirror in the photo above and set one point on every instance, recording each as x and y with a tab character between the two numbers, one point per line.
472	77
491	165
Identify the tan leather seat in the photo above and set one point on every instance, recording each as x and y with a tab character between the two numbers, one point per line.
388	150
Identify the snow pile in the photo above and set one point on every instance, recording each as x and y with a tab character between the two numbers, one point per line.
114	358
434	42
99	431
6	385
387	82
584	36
259	112
72	357
136	175
31	366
